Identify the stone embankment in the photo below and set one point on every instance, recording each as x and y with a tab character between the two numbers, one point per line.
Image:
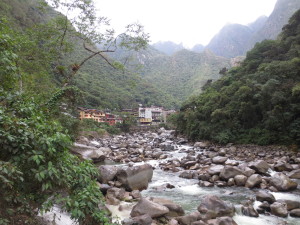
261	169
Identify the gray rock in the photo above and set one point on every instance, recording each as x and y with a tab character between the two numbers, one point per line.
290	204
215	170
295	213
140	220
279	209
295	174
253	181
282	182
135	178
188	219
205	184
222	221
201	144
107	173
240	180
219	159
265	196
187	174
260	166
230	172
199	222
216	207
145	206
175	210
249	211
282	166
136	194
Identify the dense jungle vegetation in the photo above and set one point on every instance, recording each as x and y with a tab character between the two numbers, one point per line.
257	102
38	102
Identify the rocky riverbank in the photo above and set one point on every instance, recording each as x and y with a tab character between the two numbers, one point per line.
263	170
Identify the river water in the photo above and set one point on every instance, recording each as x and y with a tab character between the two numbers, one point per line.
188	194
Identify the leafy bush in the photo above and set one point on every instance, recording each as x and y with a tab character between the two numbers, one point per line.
37	169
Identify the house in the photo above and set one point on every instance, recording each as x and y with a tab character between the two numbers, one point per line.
150	115
110	119
95	114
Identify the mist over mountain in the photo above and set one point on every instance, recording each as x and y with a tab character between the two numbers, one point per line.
168	47
198	48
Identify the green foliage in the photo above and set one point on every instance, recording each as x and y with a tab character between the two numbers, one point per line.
36	165
257	102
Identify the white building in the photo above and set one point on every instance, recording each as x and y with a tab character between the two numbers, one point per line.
150	115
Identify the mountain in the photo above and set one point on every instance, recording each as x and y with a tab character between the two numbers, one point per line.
184	73
283	10
198	48
235	39
257	102
230	41
102	85
168	47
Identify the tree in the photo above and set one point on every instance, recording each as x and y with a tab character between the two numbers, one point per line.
79	20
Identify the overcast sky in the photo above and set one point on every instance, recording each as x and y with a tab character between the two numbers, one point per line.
183	21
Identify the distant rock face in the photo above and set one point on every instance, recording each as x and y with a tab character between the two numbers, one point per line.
235	39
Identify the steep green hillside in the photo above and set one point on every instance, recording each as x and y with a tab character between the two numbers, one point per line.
184	73
258	102
102	85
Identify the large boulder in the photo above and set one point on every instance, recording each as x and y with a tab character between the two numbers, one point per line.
240	180
279	209
215	170
253	181
135	178
107	173
216	207
260	166
189	219
295	174
230	172
295	213
222	221
282	182
96	155
175	210
140	220
145	206
201	144
219	159
249	211
265	196
282	166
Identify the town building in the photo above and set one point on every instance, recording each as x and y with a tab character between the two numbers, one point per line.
150	115
99	116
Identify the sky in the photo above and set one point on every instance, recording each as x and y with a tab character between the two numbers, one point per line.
188	22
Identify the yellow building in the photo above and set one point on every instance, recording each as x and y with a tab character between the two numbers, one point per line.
94	114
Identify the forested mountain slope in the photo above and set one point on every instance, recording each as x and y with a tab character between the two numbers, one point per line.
184	73
258	102
102	85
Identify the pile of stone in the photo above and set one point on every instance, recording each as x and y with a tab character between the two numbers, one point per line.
212	211
281	208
